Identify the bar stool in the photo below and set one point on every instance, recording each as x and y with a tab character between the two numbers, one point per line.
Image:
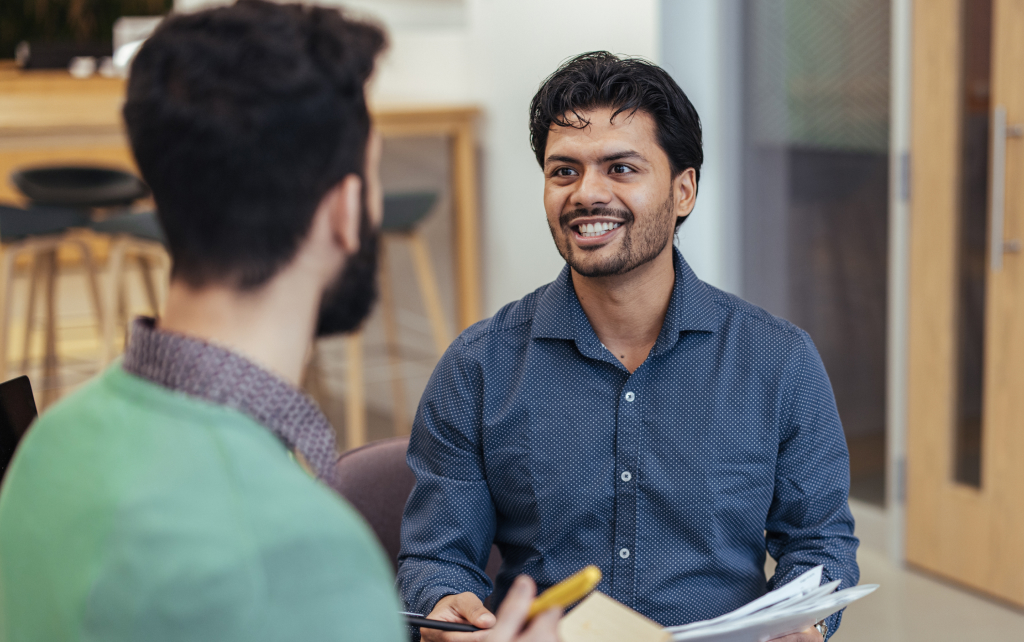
85	190
138	237
39	232
403	214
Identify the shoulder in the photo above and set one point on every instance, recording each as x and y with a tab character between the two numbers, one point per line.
502	336
513	319
755	326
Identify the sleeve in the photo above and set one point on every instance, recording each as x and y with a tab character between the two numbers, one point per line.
809	522
449	521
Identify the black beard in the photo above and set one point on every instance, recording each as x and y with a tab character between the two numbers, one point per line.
637	249
347	302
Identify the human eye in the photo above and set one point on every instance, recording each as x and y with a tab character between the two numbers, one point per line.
564	171
620	168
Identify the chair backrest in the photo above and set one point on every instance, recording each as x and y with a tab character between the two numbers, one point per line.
17	412
377	481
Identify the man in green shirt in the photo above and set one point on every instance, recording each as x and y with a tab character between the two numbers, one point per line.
165	499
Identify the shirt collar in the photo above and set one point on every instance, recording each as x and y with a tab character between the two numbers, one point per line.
211	373
559	314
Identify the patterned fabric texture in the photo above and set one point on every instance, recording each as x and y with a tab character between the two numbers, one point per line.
222	377
675	480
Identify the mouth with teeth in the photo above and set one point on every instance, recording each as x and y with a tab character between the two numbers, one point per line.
594	230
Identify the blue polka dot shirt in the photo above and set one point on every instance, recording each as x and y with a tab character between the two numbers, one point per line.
675	480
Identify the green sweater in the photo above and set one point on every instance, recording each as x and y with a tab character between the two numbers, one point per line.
131	512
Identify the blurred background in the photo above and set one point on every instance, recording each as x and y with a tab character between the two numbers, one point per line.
828	126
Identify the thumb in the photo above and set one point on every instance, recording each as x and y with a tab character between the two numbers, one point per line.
474	611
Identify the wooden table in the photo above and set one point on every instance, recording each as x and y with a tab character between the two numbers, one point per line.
48	116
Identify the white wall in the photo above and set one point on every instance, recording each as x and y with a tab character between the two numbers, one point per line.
702	49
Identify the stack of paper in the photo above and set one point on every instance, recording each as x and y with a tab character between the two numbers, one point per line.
790	608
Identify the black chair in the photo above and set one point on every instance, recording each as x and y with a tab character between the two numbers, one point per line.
81	188
135	236
17	412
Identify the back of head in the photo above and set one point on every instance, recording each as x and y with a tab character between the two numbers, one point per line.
241	119
600	79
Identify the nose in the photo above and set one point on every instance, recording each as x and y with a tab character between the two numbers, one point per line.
592	190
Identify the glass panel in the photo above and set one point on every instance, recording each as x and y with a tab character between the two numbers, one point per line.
972	239
816	194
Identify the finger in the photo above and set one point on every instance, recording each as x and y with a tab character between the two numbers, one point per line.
544	627
513	610
469	606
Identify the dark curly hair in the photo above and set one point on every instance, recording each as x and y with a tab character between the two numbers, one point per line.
241	119
600	79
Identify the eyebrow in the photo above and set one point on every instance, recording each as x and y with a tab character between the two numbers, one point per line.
606	159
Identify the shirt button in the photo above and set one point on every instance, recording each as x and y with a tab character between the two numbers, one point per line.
626	476
623	553
630	396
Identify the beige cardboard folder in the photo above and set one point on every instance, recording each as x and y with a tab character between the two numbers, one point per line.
599	618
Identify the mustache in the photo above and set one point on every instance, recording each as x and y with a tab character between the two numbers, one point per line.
566	218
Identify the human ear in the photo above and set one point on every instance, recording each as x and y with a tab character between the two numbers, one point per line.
345	212
684	192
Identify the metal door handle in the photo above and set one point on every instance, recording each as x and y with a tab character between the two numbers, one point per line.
997	195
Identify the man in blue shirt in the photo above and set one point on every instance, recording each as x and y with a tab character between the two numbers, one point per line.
627	414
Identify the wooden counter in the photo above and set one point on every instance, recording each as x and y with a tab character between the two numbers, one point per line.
50	117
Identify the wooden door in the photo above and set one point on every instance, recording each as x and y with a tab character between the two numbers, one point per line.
965	438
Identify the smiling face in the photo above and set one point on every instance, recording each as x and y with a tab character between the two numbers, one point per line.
609	193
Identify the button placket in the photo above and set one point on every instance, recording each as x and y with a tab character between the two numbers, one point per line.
629	427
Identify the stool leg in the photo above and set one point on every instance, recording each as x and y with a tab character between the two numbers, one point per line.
387	307
7	283
429	290
50	381
115	266
94	287
38	265
355	409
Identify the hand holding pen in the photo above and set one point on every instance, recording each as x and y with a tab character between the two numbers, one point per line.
463	618
507	627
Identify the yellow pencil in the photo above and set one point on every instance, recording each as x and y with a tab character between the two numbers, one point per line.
567	592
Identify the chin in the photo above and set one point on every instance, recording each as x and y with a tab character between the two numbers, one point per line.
598	266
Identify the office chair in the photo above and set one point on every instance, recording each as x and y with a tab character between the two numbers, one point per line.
376	480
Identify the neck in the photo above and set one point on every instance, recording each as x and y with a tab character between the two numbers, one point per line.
628	310
272	326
